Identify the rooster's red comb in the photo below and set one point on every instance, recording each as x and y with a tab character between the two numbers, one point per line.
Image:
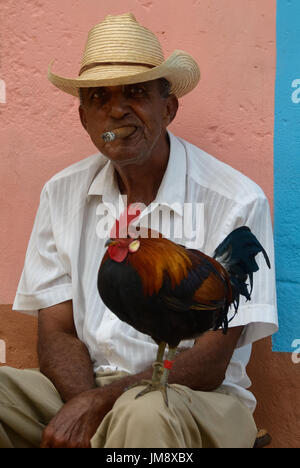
120	228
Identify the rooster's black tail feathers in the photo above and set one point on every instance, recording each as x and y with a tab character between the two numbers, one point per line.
237	255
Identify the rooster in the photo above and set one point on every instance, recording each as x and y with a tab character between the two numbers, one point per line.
173	293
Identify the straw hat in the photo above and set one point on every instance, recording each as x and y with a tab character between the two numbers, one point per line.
120	51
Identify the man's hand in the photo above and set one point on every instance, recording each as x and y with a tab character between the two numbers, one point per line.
78	420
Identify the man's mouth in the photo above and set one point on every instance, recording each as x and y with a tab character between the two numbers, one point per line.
120	132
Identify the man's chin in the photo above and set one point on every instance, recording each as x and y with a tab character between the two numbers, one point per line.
124	159
124	153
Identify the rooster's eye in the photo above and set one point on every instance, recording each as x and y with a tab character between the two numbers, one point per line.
134	246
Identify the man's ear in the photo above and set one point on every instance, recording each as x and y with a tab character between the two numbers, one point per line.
171	108
82	116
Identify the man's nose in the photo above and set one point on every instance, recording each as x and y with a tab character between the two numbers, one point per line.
118	105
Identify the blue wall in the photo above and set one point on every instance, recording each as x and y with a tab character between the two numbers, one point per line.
287	173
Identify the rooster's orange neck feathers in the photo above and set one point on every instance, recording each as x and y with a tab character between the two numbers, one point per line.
156	258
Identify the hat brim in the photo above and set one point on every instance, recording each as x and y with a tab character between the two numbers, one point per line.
180	69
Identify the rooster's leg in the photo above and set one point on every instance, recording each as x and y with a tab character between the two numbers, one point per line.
168	365
158	366
160	377
155	382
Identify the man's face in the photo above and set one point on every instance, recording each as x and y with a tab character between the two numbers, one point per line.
138	105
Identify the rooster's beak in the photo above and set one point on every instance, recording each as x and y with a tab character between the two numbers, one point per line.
110	242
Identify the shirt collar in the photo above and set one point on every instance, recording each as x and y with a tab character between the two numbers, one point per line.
105	183
172	188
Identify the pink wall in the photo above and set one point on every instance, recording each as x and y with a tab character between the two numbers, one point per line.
230	114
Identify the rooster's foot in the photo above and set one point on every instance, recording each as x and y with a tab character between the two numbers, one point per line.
152	387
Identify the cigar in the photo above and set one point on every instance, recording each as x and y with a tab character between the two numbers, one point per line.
121	132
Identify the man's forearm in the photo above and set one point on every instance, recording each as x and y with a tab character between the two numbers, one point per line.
201	367
65	360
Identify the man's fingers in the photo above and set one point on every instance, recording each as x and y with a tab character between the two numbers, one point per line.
50	440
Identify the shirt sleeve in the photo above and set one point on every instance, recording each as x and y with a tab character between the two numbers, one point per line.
44	281
259	316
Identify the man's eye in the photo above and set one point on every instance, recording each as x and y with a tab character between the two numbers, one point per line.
98	95
136	91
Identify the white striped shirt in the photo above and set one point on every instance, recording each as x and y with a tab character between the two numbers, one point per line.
65	251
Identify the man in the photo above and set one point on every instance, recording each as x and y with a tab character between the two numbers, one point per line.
88	358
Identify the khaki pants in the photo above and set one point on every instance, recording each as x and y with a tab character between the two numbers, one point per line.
28	401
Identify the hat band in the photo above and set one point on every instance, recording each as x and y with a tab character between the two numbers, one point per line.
97	64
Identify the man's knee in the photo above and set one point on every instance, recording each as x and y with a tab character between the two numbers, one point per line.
6	376
144	404
147	411
141	422
6	384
